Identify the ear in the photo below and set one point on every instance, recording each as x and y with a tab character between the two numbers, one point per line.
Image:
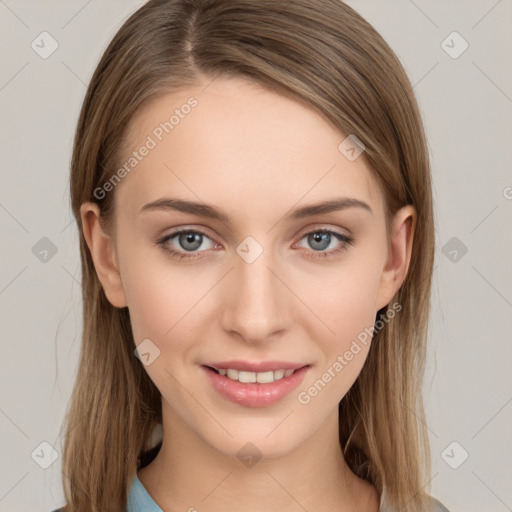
399	255
103	253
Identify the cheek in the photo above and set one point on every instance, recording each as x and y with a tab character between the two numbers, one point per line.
345	304
165	300
161	304
345	299
150	304
350	315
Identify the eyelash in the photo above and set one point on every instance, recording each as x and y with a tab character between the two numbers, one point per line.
344	239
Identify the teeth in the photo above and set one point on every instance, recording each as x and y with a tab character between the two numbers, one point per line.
246	377
233	374
251	377
278	374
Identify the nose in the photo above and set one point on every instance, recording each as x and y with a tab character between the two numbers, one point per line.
255	301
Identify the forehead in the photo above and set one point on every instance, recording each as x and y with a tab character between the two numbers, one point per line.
240	146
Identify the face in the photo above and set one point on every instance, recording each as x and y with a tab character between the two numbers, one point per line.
265	280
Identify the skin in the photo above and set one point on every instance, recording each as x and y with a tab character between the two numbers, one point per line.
255	155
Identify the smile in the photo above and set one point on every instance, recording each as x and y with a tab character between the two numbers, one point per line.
254	389
252	377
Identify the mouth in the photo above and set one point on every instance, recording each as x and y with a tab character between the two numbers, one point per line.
256	366
248	377
255	389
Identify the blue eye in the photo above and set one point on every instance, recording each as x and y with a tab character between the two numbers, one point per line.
190	240
321	239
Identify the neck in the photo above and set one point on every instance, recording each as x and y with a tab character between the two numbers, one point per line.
190	474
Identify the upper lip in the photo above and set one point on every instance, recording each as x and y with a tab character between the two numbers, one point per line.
256	367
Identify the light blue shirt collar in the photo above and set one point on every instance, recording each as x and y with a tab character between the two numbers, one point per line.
139	499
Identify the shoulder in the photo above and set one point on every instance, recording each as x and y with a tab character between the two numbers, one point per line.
437	506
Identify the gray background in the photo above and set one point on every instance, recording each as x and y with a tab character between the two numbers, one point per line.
466	103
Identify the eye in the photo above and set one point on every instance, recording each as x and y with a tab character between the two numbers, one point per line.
321	239
187	239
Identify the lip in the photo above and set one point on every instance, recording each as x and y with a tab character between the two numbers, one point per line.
255	394
257	367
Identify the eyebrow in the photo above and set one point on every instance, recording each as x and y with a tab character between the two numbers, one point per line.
212	212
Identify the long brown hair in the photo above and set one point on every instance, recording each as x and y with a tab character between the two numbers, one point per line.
325	55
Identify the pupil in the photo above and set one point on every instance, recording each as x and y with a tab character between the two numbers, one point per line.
319	238
191	238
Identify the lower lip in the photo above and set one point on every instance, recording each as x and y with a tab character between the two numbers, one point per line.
255	394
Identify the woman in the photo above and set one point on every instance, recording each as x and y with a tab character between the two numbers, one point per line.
252	189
